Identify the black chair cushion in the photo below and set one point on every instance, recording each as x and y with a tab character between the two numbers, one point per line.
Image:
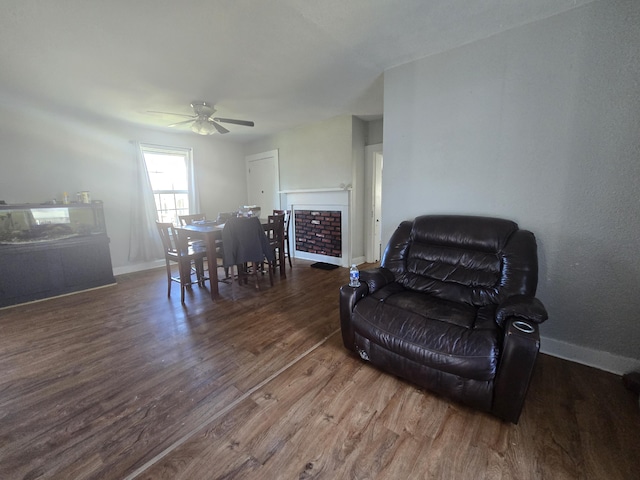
452	337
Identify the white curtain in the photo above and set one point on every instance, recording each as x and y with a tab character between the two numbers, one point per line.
194	198
144	241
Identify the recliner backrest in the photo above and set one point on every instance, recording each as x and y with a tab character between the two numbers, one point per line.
474	260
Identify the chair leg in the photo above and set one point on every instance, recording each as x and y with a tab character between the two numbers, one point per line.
213	276
282	254
185	275
255	273
168	278
271	266
289	253
242	276
199	264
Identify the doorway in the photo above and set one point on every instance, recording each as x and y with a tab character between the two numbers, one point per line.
373	202
263	181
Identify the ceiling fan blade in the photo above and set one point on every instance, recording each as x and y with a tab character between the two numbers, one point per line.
245	123
218	127
180	123
171	113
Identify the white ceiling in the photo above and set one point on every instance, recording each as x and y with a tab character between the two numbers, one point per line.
281	63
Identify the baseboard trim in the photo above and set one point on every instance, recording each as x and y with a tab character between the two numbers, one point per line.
314	257
359	260
588	356
138	267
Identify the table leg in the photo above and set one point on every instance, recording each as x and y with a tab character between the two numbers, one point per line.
212	263
283	270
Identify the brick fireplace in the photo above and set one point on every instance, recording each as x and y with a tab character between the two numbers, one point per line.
320	225
319	232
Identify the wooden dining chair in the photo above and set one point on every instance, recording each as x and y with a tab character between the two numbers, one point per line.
224	216
275	231
177	250
189	219
287	245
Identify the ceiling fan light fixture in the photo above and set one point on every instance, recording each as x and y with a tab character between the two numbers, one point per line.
202	122
202	126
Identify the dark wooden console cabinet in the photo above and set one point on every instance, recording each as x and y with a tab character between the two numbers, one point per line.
50	250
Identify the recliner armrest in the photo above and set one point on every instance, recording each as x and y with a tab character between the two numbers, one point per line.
520	347
349	296
521	307
377	278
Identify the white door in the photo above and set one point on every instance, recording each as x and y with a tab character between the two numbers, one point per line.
373	201
263	181
377	207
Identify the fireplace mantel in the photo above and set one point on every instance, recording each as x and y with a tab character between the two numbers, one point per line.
317	190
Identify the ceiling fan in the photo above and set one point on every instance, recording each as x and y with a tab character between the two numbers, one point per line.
203	122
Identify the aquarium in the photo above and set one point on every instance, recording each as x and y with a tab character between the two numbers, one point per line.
32	223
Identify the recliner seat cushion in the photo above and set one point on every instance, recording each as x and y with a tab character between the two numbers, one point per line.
456	338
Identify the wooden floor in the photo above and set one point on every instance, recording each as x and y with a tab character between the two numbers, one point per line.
122	382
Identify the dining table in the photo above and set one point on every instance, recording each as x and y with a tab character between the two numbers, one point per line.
210	232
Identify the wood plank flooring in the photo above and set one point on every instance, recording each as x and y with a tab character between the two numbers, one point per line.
122	382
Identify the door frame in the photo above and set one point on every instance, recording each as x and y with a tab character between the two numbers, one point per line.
373	212
269	155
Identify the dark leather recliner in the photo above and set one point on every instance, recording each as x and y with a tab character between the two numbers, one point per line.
452	309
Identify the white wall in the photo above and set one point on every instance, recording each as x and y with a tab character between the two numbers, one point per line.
540	124
311	156
44	154
327	154
358	135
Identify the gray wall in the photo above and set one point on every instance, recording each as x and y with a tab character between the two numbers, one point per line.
374	132
44	154
540	124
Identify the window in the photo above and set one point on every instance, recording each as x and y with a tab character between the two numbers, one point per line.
169	170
